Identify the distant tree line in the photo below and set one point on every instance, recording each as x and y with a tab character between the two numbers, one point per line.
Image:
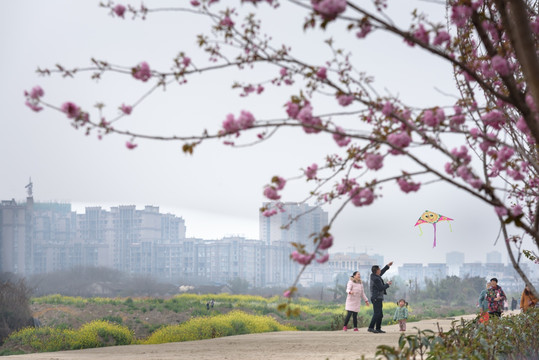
15	310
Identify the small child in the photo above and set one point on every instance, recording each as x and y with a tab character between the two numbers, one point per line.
401	314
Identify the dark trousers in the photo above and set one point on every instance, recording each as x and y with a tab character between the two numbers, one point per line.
353	314
376	321
495	313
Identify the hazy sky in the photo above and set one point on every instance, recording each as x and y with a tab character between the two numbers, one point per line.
218	190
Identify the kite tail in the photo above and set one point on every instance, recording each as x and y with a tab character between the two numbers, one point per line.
420	231
434	245
450	227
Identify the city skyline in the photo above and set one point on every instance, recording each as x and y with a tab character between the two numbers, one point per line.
81	209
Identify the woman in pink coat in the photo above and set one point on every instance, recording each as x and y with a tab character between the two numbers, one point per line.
354	291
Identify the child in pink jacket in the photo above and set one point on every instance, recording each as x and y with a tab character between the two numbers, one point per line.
355	292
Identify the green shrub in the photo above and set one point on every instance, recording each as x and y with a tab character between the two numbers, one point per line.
233	323
511	337
94	334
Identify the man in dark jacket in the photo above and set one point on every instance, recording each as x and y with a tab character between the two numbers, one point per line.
378	290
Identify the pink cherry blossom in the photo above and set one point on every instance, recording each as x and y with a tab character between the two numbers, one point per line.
271	193
491	28
303	259
400	139
326	242
126	109
33	105
36	92
500	211
441	37
522	126
529	101
230	125
119	10
310	173
142	72
195	3
364	29
448	167
387	109
186	61
279	182
494	118
259	89
269	212
287	294
460	14
33	97
315	121
374	161
340	137
72	110
322	73
246	120
283	72
500	65
475	132
329	9
323	259
305	115
515	174
421	34
130	145
406	186
361	197
516	210
227	22
292	109
462	154
345	100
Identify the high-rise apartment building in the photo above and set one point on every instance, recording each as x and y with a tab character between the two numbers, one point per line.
494	257
295	223
454	261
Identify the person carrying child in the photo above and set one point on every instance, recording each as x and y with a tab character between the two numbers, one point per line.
401	314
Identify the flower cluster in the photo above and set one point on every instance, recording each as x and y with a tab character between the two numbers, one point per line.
329	9
142	72
231	125
271	191
33	98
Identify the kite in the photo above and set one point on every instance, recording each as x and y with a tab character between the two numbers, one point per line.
431	218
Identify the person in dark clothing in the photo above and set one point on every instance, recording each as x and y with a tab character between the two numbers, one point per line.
495	297
513	303
378	290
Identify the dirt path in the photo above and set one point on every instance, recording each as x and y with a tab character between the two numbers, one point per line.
289	345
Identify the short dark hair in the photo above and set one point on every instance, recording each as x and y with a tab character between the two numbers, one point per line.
375	268
494	279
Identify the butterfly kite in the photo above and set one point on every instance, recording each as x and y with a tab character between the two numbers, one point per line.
431	218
